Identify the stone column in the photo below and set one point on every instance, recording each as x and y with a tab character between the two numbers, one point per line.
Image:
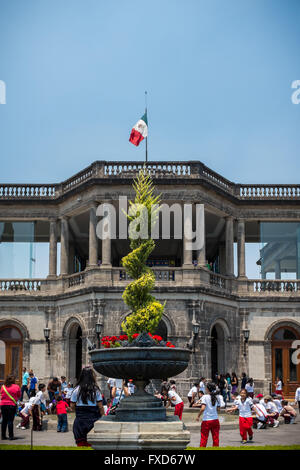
187	231
241	248
64	249
93	240
52	248
277	270
229	246
201	254
106	252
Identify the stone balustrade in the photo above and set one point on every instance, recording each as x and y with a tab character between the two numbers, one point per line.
161	274
173	276
217	280
20	285
158	170
28	191
74	280
155	169
268	191
259	286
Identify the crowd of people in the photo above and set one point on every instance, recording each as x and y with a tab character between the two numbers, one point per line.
256	412
89	403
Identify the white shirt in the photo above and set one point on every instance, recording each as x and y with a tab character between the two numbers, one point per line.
210	413
74	398
173	394
202	387
68	391
193	390
297	394
28	406
279	385
263	403
131	388
278	405
244	407
111	382
260	411
271	407
39	398
249	388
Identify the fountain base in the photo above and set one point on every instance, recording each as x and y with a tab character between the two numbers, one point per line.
109	434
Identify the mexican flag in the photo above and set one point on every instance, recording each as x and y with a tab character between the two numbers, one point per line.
139	131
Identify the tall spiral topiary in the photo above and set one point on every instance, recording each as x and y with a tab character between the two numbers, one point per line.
143	213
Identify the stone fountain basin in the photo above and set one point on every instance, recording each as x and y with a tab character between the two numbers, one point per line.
140	363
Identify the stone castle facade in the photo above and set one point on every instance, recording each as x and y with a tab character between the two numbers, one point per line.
245	324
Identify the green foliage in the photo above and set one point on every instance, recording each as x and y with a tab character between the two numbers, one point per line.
143	214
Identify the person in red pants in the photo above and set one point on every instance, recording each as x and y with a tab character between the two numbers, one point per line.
244	404
210	422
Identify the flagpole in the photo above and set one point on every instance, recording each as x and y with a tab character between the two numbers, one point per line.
147	127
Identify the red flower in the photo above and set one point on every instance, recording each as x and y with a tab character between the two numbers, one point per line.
135	335
113	339
150	335
123	337
170	345
158	338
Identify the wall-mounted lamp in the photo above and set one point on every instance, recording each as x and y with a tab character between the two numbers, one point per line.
98	329
192	341
47	338
246	334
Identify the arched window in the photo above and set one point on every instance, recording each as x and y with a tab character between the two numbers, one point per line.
162	330
284	333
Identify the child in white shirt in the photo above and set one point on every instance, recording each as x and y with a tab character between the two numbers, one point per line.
245	405
210	422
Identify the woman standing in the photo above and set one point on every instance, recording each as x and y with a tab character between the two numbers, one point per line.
86	400
10	394
234	382
209	404
249	387
229	386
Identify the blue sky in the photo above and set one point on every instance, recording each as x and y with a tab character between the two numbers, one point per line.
218	75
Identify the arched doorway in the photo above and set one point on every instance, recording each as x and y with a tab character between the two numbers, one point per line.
75	353
162	330
217	351
11	352
282	364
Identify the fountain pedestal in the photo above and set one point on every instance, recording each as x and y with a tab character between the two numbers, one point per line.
109	434
140	421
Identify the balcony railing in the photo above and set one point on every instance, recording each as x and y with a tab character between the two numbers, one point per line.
18	285
158	170
267	286
75	280
164	276
161	274
268	191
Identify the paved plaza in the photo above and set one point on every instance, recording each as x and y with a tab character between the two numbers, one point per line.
283	435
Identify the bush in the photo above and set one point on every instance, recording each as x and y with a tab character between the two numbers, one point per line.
146	310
